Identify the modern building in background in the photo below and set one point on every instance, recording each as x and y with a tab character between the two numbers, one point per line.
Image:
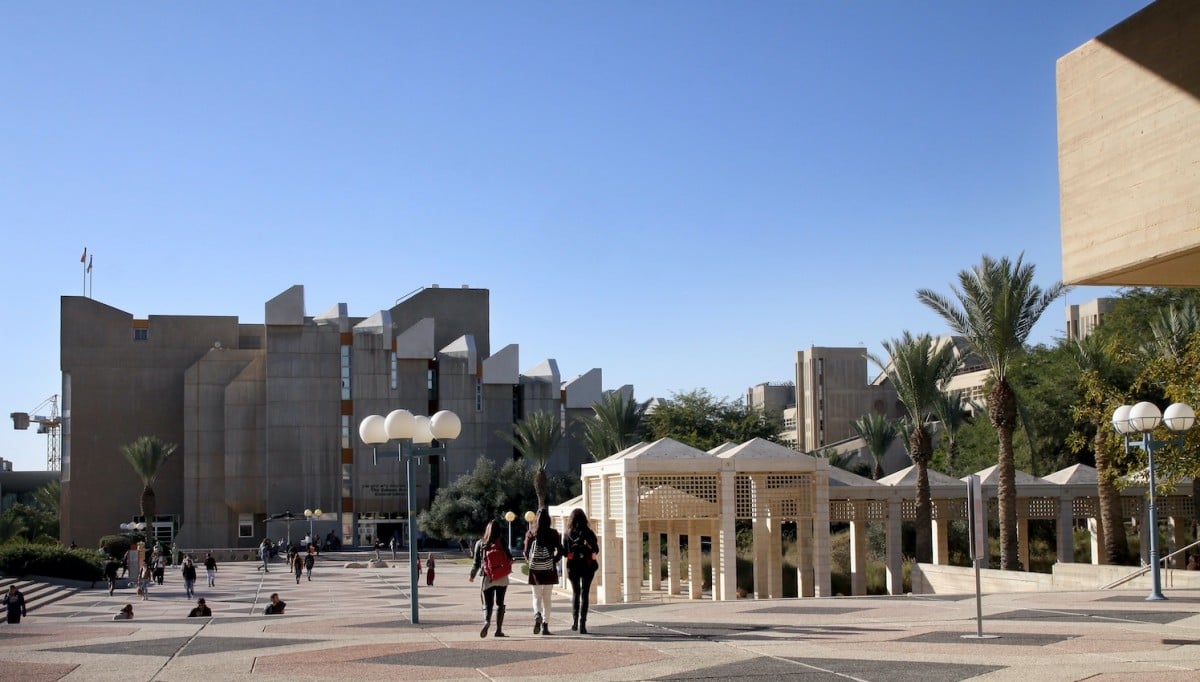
1083	319
266	415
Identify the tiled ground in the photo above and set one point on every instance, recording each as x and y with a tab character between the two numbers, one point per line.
354	624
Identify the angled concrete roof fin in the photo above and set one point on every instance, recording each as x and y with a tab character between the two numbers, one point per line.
584	390
337	315
380	323
463	347
501	368
416	342
546	370
287	308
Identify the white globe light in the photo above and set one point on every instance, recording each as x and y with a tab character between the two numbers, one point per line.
421	433
509	516
399	424
1179	417
308	513
445	425
1120	419
1145	416
530	516
318	513
372	431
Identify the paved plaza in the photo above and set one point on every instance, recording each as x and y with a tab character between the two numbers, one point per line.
353	624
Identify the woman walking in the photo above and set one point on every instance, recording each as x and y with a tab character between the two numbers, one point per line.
189	576
581	549
14	605
543	549
298	566
492	558
429	569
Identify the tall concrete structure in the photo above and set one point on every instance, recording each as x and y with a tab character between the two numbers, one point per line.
832	390
266	415
1084	318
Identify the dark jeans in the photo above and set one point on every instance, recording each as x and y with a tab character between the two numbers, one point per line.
493	595
581	591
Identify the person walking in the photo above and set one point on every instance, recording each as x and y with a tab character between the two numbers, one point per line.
309	559
145	577
14	602
494	561
110	575
264	553
581	549
160	568
188	570
298	565
543	549
210	567
429	569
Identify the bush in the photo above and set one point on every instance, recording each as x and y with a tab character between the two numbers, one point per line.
51	561
116	545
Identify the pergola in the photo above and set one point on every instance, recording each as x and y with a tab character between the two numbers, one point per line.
667	488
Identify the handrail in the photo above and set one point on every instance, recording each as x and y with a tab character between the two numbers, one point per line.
1145	569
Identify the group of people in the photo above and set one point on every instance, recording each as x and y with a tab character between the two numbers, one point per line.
544	547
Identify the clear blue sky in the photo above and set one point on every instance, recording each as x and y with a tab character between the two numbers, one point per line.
680	193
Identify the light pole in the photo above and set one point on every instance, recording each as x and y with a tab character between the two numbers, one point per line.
530	517
311	514
1142	419
510	517
415	435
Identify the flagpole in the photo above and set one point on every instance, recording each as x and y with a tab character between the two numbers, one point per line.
91	289
83	260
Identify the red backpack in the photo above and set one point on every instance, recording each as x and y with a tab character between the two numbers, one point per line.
496	562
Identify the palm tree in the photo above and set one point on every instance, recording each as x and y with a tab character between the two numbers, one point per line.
616	425
1100	373
918	368
995	308
951	410
535	438
147	455
1171	330
48	497
878	432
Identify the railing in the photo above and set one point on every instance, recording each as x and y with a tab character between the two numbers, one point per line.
1145	569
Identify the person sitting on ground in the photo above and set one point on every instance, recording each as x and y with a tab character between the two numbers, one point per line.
276	606
125	613
1191	563
201	610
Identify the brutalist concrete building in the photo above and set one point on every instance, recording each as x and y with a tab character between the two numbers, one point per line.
266	415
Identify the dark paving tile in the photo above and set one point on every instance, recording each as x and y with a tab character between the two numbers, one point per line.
1002	638
757	668
9	633
460	658
1132	599
425	622
810	611
1079	616
898	671
218	645
147	647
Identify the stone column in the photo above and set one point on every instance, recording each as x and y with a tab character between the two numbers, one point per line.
894	560
1023	541
1144	536
774	558
631	529
762	535
1065	527
727	540
654	548
695	564
1178	528
672	558
804	552
941	533
858	549
822	581
610	561
1097	541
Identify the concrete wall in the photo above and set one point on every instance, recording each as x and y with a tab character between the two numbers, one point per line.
935	579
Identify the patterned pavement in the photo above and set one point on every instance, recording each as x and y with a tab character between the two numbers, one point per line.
352	623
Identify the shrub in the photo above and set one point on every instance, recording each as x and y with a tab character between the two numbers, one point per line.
51	561
116	545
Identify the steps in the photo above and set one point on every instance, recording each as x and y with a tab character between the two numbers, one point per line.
37	594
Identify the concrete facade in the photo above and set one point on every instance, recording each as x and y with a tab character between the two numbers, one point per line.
1129	151
266	415
1083	319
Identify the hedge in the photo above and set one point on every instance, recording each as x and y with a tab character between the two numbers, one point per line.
51	561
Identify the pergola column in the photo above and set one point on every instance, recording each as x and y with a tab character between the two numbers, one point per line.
654	549
610	559
822	561
727	540
695	567
1065	525
1144	531
1023	541
804	551
673	557
941	532
631	587
762	535
775	558
1178	527
895	567
1097	541
858	549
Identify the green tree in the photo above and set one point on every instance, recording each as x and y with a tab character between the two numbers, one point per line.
918	367
147	455
48	497
1045	380
535	438
702	421
615	425
878	433
995	307
951	410
12	529
842	460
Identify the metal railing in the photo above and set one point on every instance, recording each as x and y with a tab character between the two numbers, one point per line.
1145	569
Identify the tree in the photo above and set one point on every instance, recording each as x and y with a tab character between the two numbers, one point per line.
702	421
147	455
48	497
842	460
535	438
918	368
616	425
995	308
878	433
952	413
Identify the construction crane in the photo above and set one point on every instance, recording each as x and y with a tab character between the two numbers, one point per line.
50	425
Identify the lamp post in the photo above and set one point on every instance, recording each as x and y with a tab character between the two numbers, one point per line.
510	517
415	435
530	517
311	514
1141	420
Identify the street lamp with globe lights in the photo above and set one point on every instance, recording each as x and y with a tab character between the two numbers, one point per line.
415	435
510	517
1141	420
311	514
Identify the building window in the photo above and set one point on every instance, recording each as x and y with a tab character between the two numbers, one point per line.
394	372
141	334
478	394
346	487
345	431
345	372
431	382
245	525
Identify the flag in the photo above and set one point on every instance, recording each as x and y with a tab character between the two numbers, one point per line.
90	263
83	258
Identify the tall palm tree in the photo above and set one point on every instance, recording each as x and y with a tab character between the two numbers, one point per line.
535	438
1100	373
1171	330
878	432
147	455
995	306
616	425
951	411
48	497
918	368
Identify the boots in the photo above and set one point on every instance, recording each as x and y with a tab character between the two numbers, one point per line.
575	618
546	628
500	622
487	623
583	626
537	623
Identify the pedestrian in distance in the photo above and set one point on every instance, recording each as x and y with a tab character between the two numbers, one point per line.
160	568
276	606
581	549
429	562
201	610
210	567
14	603
145	577
492	558
125	613
543	549
298	565
188	571
309	559
264	553
110	575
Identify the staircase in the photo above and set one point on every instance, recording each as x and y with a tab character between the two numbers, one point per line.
37	594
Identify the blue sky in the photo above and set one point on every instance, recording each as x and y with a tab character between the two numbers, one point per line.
681	193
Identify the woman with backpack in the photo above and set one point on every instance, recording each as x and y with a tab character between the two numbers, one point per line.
581	549
543	549
493	559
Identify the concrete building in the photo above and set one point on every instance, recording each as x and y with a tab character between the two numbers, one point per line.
832	390
1083	319
776	397
1129	151
266	415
